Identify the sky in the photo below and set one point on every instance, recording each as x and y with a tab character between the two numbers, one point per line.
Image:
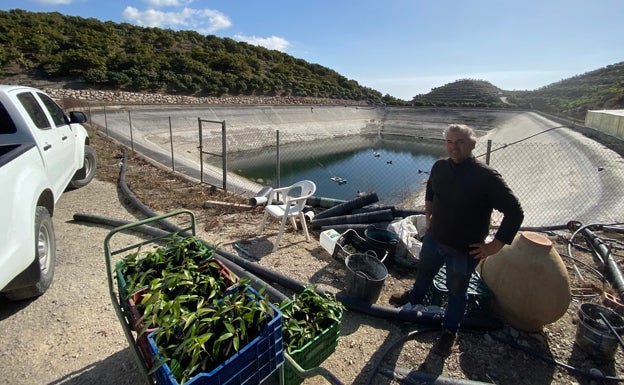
402	48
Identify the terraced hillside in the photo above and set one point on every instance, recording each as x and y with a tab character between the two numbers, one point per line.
463	93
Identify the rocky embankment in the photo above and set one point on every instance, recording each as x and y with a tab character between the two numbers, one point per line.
123	97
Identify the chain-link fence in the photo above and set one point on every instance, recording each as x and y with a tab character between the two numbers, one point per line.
558	178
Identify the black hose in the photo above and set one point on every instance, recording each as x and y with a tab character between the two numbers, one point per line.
411	377
274	295
368	217
552	361
347	206
401	340
255	273
354	304
111	222
136	202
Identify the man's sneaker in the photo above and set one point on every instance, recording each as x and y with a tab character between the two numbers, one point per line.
444	344
400	299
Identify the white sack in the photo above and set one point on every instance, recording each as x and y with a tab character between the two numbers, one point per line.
409	230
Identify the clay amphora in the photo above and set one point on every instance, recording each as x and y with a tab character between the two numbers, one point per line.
529	280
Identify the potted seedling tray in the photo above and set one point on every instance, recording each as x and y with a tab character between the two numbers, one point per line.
314	314
121	241
202	285
254	362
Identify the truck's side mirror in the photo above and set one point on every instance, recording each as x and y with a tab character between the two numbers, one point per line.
77	117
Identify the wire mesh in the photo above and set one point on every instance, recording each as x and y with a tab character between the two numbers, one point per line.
556	180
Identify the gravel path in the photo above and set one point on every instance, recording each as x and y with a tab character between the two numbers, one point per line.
71	335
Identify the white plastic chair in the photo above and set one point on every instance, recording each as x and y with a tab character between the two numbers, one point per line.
291	201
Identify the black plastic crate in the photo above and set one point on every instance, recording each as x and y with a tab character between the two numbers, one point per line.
479	294
350	242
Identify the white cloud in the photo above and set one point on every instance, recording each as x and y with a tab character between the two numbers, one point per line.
168	3
205	21
54	2
271	42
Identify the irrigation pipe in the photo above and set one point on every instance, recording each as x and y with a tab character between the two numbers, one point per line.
552	361
601	251
410	377
612	329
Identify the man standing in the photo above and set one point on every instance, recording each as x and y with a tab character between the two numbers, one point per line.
461	194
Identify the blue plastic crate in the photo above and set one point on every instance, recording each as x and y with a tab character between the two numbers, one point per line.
251	365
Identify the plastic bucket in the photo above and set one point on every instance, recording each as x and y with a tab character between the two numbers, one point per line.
366	275
593	335
382	241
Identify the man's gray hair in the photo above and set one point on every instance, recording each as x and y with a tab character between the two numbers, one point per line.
463	129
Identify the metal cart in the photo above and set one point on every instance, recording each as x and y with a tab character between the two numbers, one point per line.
155	236
116	297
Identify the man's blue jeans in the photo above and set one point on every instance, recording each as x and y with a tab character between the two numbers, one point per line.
459	269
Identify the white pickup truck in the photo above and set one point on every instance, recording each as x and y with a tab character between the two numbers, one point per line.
43	152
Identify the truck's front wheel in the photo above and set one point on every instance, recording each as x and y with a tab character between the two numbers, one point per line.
45	257
84	176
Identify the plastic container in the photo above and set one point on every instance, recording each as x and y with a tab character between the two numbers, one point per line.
365	277
382	240
350	242
328	240
593	335
313	353
251	365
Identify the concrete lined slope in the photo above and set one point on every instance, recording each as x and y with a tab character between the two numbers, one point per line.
248	127
558	174
431	122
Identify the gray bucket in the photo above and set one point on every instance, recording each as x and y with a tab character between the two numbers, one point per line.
593	335
382	241
366	275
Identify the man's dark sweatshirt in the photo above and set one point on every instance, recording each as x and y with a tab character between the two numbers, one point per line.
463	196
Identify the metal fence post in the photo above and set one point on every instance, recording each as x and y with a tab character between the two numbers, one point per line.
105	122
224	154
488	152
201	152
171	141
130	123
277	159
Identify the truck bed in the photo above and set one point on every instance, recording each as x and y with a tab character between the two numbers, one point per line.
8	152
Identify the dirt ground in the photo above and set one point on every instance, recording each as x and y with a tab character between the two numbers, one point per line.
70	335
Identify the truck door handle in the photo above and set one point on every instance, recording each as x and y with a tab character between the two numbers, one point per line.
64	137
47	147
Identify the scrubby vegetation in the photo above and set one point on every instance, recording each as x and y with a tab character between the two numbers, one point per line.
105	55
572	98
127	57
595	90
